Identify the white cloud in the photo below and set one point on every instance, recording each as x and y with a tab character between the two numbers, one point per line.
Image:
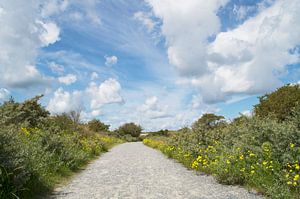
64	101
107	92
110	61
249	59
52	7
4	94
242	12
247	113
50	34
153	110
56	68
145	19
186	26
20	42
68	79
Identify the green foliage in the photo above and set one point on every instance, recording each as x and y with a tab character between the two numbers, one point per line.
279	103
30	113
208	121
259	152
97	126
36	149
130	129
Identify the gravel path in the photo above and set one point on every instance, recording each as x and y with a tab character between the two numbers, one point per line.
132	170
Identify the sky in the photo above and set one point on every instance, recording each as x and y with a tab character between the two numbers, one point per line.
158	63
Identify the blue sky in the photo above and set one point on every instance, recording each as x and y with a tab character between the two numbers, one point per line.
159	63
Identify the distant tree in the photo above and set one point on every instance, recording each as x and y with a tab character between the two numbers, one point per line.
208	121
279	103
130	129
97	126
74	115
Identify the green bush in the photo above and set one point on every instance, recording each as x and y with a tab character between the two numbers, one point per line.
131	129
261	152
37	149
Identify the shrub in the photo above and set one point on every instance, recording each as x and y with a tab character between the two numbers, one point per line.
36	149
279	103
130	129
97	126
262	152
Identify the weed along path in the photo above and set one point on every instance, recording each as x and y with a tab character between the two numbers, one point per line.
133	170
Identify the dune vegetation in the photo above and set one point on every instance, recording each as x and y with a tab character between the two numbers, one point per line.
38	151
261	151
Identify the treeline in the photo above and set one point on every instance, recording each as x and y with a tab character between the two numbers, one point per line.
261	151
38	150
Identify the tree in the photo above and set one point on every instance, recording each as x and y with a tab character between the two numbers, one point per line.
97	126
130	129
208	121
279	103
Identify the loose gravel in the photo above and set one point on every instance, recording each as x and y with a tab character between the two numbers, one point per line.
133	170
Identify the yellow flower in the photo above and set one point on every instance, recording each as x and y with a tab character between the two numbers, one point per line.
252	171
297	167
265	162
294	183
25	131
251	154
241	157
242	170
289	182
227	161
296	177
195	165
292	145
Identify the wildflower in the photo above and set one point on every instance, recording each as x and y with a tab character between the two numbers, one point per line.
251	154
292	145
228	161
297	167
289	182
296	177
265	163
242	170
294	183
241	157
252	171
199	158
195	165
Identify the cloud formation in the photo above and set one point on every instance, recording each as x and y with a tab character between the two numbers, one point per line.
145	19
107	92
187	25
64	101
153	110
110	61
249	59
22	34
68	79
